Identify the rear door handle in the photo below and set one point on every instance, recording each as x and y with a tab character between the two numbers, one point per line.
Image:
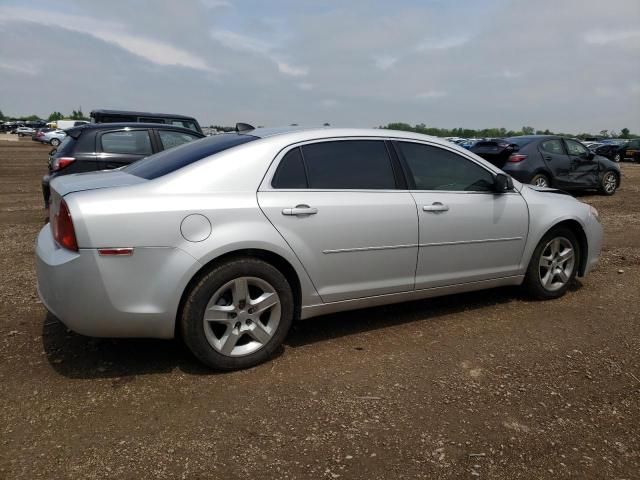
300	210
435	207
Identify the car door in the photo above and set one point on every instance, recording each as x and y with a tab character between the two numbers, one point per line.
468	232
338	205
557	161
584	166
117	148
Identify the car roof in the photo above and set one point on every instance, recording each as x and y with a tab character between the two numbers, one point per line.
116	125
142	114
301	134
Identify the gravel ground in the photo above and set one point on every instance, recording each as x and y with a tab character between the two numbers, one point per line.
487	384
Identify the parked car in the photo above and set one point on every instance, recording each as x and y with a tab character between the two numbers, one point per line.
613	151
552	161
103	146
54	137
632	150
114	116
22	131
229	239
39	134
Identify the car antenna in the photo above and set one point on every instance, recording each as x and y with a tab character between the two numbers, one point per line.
244	127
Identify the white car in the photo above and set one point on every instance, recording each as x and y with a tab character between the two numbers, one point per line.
54	137
230	238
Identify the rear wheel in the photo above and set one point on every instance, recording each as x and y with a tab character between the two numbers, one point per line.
55	142
609	182
541	180
554	264
238	314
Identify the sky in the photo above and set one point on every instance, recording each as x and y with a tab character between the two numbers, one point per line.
566	65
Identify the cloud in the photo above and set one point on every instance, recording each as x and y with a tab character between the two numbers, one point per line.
240	42
329	103
306	86
384	62
216	3
619	38
158	52
19	66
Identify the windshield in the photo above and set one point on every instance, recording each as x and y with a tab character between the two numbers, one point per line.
175	158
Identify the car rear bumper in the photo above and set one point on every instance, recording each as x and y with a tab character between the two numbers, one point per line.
132	296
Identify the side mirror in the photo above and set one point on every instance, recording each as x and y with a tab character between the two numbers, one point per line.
590	155
502	183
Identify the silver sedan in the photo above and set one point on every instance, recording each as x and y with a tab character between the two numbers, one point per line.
231	238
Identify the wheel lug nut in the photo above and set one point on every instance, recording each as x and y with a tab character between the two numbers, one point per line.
249	322
251	310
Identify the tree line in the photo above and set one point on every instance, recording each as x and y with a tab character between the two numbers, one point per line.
53	117
499	132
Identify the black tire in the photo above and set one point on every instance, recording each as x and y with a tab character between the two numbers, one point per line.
540	178
192	323
54	142
532	282
609	182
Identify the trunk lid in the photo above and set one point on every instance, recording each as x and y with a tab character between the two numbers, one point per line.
65	184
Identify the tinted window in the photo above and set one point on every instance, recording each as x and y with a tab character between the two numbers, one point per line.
553	146
290	172
575	148
170	138
435	168
134	142
173	159
348	164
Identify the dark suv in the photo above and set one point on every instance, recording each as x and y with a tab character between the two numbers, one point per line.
119	116
92	147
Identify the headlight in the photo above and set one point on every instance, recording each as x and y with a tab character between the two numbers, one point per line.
594	213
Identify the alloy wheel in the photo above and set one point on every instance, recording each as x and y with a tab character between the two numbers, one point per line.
541	182
610	182
242	316
556	264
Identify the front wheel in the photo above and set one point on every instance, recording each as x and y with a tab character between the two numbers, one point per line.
540	180
238	314
609	182
554	264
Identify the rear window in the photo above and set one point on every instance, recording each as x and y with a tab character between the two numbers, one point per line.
174	159
66	147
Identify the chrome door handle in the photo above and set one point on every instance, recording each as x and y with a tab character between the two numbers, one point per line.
300	210
435	207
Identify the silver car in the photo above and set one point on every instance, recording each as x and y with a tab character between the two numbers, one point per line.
229	239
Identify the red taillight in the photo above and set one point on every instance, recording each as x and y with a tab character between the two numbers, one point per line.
516	157
61	162
63	231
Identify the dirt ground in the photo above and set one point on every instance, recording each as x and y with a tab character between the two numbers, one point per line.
488	384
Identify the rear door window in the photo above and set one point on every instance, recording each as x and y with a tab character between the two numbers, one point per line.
348	164
171	138
553	146
133	142
291	172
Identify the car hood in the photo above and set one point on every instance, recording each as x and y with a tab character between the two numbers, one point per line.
79	182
